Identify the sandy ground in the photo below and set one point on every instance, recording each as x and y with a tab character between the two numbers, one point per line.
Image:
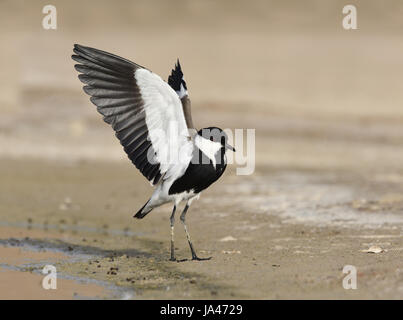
262	234
328	183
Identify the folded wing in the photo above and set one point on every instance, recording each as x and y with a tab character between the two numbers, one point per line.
143	110
177	82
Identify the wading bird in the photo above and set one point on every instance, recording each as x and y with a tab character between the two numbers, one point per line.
152	120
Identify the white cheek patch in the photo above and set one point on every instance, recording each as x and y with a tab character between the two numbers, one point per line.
209	148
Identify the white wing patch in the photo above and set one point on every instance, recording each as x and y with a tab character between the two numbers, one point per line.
165	123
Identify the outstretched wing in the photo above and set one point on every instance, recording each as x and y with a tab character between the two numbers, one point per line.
178	83
143	110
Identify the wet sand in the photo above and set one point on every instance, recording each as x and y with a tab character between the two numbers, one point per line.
258	249
21	266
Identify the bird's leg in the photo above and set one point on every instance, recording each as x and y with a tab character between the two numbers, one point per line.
172	220
183	219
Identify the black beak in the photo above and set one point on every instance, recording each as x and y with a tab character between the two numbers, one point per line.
227	146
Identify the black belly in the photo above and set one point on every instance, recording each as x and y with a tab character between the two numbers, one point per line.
198	177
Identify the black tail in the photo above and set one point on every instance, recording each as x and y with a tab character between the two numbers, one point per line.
141	213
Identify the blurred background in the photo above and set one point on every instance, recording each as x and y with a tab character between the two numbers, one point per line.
326	104
286	68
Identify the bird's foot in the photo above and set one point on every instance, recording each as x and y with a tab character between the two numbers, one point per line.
178	260
196	258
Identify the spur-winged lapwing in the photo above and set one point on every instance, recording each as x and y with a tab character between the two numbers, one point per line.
152	120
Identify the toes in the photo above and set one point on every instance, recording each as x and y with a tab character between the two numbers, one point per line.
200	259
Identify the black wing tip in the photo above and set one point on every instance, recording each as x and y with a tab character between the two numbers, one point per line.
104	58
176	78
82	48
178	68
85	52
79	49
178	65
78	46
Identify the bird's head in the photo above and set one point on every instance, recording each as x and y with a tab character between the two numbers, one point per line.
216	135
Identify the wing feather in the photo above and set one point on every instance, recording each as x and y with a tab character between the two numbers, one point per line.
177	82
140	107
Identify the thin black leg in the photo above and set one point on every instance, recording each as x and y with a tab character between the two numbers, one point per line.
172	221
183	219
